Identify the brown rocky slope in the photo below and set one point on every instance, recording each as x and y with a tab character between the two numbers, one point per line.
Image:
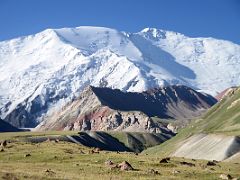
103	109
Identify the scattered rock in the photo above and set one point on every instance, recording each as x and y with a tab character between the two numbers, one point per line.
211	163
111	165
50	172
92	151
152	171
109	162
114	166
125	166
165	160
175	172
97	150
172	127
9	176
225	176
68	151
27	155
81	152
187	164
4	143
203	166
52	140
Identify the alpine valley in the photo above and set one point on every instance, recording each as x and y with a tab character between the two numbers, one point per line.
97	103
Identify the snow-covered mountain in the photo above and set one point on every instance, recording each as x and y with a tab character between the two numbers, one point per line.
40	73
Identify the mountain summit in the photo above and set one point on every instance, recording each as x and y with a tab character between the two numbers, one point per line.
40	73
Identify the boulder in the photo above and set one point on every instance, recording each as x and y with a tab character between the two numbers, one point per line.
152	171
4	143
27	155
125	166
165	160
211	163
225	176
175	172
187	164
111	165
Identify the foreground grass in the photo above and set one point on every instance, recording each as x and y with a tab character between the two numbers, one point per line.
64	160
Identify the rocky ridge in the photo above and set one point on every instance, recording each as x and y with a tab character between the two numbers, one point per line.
104	109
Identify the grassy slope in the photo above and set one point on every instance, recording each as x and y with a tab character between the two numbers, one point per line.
220	119
135	141
224	117
138	141
66	160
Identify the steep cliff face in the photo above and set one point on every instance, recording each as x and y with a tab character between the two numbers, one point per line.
105	109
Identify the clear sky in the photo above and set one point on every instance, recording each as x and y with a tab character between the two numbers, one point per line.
194	18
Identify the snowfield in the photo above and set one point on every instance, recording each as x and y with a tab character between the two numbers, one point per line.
40	73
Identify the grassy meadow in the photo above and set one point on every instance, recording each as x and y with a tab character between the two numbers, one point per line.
66	160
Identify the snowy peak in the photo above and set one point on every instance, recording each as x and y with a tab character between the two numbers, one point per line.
42	72
91	39
156	35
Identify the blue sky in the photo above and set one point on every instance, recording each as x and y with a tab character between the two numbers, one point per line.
195	18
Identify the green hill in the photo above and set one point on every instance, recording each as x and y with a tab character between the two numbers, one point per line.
222	119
